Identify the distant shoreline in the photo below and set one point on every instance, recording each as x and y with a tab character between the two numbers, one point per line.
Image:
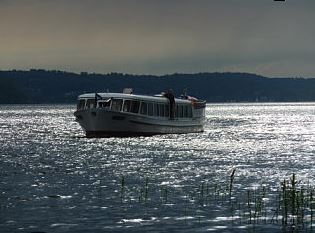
208	103
59	87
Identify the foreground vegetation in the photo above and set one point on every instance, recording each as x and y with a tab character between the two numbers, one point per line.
289	206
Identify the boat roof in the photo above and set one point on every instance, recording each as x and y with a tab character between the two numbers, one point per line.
156	98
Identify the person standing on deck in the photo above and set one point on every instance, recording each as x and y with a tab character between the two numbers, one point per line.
169	94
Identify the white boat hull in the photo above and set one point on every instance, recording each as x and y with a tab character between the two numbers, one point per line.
103	122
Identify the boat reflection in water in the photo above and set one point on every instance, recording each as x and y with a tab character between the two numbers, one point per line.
127	114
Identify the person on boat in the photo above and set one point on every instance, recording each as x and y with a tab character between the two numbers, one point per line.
170	96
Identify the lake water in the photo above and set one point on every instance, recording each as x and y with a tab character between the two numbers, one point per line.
53	179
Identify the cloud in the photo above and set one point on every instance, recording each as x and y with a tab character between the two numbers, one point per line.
147	36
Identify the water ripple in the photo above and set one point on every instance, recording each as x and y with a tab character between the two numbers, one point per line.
53	179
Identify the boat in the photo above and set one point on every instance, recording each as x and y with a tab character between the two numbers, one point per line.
127	114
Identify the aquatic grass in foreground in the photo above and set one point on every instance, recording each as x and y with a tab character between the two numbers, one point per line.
289	207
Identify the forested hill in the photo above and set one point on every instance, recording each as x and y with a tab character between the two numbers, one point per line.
41	86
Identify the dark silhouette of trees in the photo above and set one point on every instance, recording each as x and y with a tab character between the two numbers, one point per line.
41	86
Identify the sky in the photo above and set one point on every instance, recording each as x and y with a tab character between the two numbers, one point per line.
266	37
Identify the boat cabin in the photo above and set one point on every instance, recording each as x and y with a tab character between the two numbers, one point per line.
152	106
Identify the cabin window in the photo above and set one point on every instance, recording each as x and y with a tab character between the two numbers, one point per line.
167	110
156	109
117	104
104	104
134	106
127	104
162	110
150	109
189	111
81	104
90	103
185	111
180	111
144	108
131	106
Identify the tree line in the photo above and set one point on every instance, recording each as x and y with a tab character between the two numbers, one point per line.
42	86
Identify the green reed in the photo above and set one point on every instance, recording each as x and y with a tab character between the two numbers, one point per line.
146	189
290	206
164	193
122	188
232	176
312	207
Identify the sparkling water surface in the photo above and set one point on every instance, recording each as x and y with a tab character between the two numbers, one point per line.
53	179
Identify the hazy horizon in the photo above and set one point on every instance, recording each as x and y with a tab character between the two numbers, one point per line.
273	39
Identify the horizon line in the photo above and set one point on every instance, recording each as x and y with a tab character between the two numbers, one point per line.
156	75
